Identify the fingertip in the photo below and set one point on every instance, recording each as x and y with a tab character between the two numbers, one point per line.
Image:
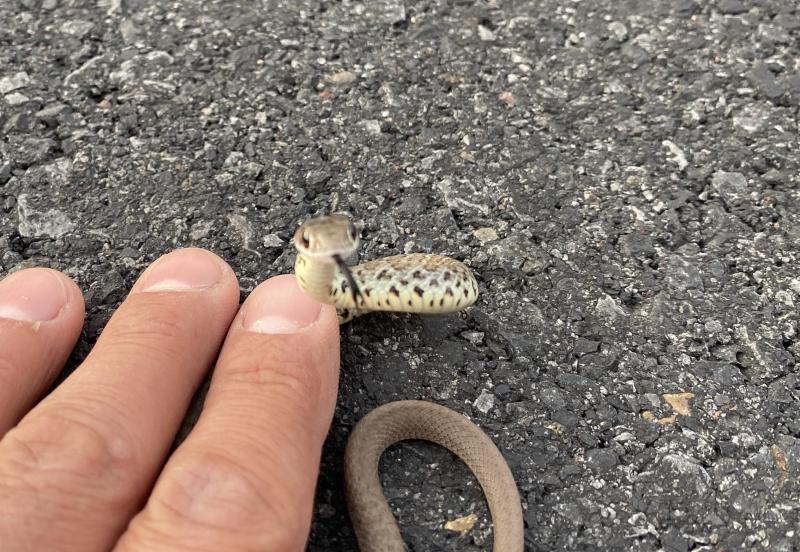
280	330
188	269
39	295
279	306
41	317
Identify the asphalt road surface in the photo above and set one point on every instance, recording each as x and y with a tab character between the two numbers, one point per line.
622	176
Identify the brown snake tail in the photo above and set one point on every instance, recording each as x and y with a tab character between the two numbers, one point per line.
374	524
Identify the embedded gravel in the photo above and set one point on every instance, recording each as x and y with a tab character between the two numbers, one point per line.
622	176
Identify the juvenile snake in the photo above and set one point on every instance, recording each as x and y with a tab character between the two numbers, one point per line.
418	283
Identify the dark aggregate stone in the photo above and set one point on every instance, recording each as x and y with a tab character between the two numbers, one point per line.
732	7
502	391
637	244
585	346
673	541
765	82
601	460
29	151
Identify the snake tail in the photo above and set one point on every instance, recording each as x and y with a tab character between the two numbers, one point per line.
375	526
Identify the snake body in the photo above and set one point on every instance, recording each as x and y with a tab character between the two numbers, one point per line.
418	283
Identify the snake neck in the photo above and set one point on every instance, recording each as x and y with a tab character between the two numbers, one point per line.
315	277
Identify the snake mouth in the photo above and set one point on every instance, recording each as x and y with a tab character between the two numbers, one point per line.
349	277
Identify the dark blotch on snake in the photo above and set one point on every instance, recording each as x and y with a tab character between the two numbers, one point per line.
382	274
393	291
448	292
367	291
434	282
417	274
419	291
441	301
446	276
403	282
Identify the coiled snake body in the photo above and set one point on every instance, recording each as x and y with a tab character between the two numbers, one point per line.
418	283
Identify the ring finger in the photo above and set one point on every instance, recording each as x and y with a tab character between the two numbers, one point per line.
41	313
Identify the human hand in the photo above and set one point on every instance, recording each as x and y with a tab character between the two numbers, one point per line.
84	469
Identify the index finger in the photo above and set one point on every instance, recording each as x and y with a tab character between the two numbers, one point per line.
244	479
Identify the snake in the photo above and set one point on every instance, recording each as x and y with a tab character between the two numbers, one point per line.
419	283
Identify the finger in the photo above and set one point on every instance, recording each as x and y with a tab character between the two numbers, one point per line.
79	465
41	315
244	479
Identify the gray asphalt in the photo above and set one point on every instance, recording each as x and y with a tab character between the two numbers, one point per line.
621	176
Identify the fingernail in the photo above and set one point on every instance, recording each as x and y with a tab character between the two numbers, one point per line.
182	270
33	295
279	306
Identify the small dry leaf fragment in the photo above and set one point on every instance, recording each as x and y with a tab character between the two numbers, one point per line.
341	78
508	98
650	417
462	524
450	78
780	458
679	402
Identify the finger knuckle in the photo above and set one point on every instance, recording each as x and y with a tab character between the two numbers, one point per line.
281	372
143	328
216	491
69	443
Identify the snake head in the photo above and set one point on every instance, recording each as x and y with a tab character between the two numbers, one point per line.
327	237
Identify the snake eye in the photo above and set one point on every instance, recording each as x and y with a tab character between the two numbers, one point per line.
305	240
352	232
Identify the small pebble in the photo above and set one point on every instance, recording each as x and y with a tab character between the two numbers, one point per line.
484	402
